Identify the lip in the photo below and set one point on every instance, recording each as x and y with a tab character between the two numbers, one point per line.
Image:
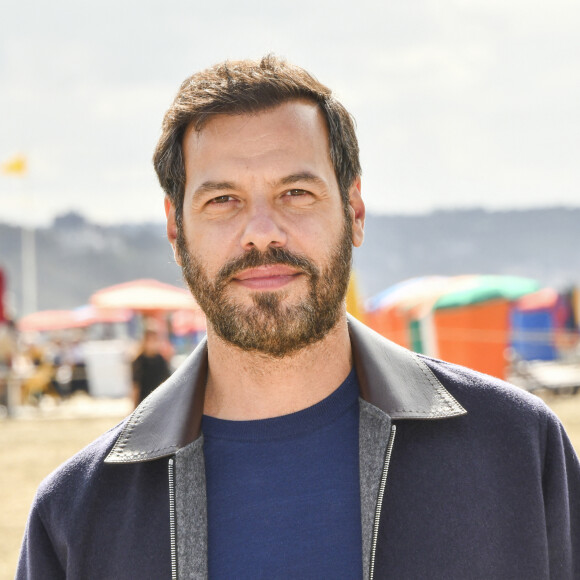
267	277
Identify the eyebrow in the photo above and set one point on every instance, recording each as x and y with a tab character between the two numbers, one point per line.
209	186
302	176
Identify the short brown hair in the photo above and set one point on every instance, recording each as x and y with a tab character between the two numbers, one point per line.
248	86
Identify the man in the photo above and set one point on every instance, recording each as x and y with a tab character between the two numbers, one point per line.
149	368
258	458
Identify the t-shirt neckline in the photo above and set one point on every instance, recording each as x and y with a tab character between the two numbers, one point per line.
301	422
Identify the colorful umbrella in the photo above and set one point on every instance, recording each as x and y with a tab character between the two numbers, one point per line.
48	320
144	296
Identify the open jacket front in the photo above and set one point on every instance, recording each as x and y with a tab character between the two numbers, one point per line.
461	476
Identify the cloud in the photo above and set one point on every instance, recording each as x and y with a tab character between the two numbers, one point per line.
458	102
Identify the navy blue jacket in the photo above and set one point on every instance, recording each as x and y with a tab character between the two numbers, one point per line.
482	482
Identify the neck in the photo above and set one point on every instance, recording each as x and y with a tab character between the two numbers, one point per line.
245	385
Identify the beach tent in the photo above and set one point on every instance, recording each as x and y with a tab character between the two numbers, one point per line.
542	325
388	312
473	324
461	319
403	313
533	323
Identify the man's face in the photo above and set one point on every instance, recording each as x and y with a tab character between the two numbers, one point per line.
266	241
151	343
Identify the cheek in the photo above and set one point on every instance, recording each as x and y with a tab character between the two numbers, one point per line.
322	236
313	228
209	252
207	235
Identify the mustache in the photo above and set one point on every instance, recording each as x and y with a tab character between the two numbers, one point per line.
271	256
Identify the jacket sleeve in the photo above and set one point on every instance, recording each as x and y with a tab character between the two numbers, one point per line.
561	482
38	559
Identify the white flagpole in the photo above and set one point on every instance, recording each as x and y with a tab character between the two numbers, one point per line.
28	259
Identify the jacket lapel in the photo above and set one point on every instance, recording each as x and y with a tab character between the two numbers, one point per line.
396	380
391	378
169	418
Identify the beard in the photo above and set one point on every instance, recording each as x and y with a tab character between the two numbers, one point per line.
270	326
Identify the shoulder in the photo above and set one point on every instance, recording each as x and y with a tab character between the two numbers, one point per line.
504	423
491	399
468	383
76	475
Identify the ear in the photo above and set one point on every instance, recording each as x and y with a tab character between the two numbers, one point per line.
357	212
172	228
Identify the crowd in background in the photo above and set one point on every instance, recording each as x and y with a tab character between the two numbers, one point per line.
56	365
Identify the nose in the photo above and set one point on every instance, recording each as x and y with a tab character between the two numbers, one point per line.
262	230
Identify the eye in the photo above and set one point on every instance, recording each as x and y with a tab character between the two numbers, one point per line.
221	199
296	192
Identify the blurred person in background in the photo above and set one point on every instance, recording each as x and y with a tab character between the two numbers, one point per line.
150	368
62	370
295	442
36	372
75	357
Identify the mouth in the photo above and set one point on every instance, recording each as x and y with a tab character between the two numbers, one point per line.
267	277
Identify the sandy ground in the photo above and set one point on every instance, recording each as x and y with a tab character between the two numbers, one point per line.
39	440
32	446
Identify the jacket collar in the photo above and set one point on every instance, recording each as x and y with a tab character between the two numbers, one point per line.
395	380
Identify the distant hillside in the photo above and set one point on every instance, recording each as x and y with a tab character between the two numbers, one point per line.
75	257
543	244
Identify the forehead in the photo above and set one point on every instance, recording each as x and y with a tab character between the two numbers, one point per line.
295	129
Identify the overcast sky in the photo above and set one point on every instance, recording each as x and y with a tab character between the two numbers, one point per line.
459	103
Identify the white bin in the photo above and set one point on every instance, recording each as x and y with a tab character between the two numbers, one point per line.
108	368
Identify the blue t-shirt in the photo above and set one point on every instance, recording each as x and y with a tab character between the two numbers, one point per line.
283	494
